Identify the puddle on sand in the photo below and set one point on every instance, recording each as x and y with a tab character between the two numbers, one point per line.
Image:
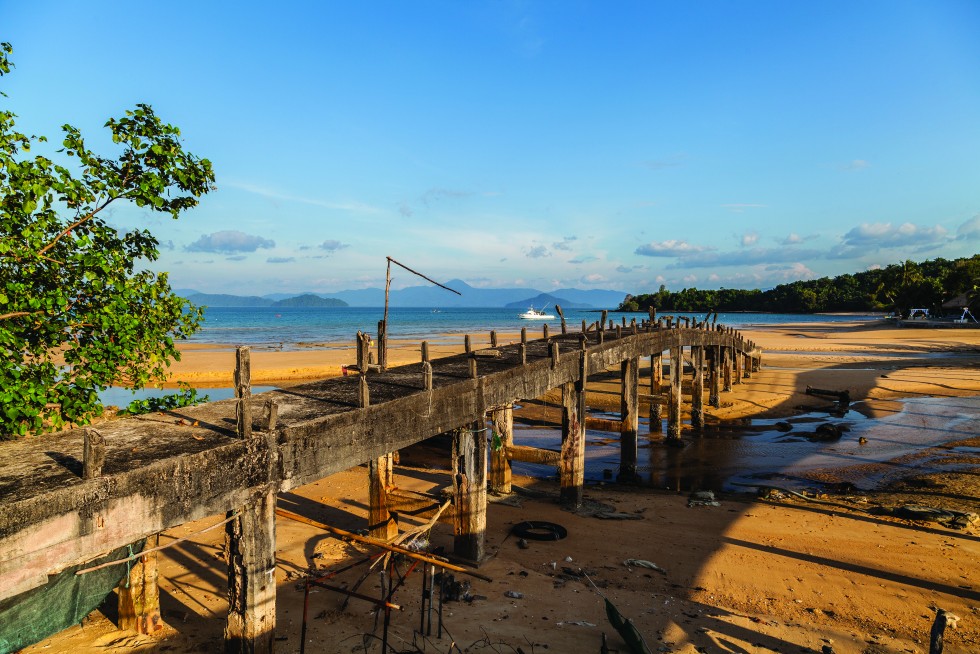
756	451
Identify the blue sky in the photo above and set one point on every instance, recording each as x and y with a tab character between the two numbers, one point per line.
618	145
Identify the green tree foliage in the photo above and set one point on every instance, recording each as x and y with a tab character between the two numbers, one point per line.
898	287
76	313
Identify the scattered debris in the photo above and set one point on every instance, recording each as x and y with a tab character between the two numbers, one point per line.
783	426
844	397
642	563
539	530
943	619
947	517
577	623
616	515
702	498
514	594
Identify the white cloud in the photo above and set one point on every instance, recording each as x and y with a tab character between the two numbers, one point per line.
755	256
229	241
887	235
669	248
749	238
537	252
969	230
856	164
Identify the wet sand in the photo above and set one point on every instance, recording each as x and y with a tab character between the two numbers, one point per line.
750	575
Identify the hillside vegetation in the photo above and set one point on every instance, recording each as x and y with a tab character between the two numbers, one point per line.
898	287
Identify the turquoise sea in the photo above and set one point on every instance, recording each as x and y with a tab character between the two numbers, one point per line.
292	328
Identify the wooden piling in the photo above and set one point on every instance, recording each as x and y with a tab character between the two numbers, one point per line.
93	454
656	388
470	492
714	376
726	368
383	344
674	406
561	315
243	391
468	344
363	349
427	375
555	355
736	366
629	415
139	593
571	466
544	331
697	392
250	545
493	338
381	524
425	351
502	422
271	415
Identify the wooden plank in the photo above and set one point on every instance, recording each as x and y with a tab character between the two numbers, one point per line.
533	455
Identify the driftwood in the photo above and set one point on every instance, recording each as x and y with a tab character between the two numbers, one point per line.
844	397
943	619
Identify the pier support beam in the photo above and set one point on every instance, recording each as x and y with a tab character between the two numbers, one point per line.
737	366
726	365
500	467
250	544
572	462
656	384
139	594
697	392
470	492
674	405
630	416
747	373
381	472
714	372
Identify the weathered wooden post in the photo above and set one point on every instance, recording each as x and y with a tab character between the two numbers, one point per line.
381	524
555	355
502	421
747	374
523	349
619	331
363	349
243	391
93	454
424	349
250	534
383	344
714	367
468	344
250	545
544	331
656	384
726	366
139	595
271	415
571	466
427	375
470	492
653	314
629	415
697	392
674	404
564	327
737	359
493	338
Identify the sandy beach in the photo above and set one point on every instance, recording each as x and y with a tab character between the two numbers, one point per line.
753	574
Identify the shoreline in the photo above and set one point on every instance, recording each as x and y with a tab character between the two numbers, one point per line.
750	575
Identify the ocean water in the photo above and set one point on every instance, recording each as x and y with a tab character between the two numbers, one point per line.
304	327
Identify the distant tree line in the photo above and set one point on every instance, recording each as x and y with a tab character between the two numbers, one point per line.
897	288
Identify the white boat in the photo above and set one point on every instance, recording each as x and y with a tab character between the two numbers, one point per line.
534	314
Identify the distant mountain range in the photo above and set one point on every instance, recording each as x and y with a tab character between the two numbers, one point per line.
220	300
421	296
